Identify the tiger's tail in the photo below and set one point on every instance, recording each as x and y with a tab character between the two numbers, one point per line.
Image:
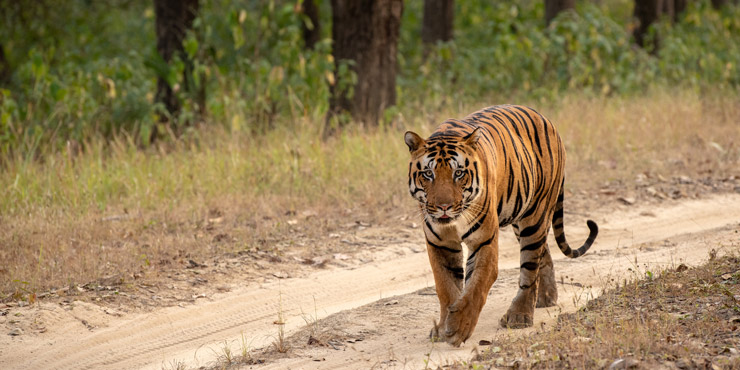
557	228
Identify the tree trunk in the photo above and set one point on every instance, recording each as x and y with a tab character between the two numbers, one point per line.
668	9
647	12
366	32
438	21
312	33
4	67
718	4
173	19
554	7
678	7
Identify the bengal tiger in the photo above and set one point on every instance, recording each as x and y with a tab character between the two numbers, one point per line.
499	166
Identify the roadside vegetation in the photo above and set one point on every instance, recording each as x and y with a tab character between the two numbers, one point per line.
684	318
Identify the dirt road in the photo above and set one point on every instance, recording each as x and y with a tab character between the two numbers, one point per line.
377	330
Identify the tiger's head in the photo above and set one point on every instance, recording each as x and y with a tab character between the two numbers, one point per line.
443	174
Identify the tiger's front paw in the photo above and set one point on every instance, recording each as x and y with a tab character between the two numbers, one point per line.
516	320
461	320
434	333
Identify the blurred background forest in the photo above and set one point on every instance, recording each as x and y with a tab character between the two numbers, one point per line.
76	71
141	134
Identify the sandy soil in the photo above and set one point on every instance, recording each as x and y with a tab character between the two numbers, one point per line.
374	313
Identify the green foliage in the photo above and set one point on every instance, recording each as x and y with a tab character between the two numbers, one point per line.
702	49
83	70
503	49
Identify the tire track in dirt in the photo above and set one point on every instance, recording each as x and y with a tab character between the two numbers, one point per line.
192	334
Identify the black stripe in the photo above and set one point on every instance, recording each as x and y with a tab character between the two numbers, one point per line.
531	266
485	243
457	272
561	240
429	226
528	231
475	227
536	135
533	246
444	248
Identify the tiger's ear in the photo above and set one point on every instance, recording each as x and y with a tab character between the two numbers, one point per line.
413	140
473	137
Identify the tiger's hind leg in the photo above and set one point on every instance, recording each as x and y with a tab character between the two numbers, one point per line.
547	290
532	234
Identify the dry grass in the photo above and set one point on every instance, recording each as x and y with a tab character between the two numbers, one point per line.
685	318
115	212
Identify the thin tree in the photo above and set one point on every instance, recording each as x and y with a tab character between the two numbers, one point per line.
4	67
554	7
668	9
647	13
438	21
365	33
311	25
718	4
679	6
173	19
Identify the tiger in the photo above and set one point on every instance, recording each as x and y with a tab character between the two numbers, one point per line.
500	166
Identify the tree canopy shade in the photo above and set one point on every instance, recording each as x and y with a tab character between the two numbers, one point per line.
4	67
554	7
173	19
365	34
311	23
438	21
647	12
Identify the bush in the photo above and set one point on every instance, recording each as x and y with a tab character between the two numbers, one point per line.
83	70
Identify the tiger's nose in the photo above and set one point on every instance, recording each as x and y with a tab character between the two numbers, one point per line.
444	207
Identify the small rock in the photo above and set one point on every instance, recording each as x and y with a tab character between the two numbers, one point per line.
391	303
617	364
280	275
193	264
622	363
684	180
16	332
683	363
484	342
581	339
681	268
340	256
627	200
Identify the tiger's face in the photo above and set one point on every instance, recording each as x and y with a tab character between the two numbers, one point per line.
443	174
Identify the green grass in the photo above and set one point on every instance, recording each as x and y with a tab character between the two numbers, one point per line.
55	211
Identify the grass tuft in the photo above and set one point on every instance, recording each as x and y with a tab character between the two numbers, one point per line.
115	212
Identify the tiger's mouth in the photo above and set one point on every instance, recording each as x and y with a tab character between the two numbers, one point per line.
444	218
